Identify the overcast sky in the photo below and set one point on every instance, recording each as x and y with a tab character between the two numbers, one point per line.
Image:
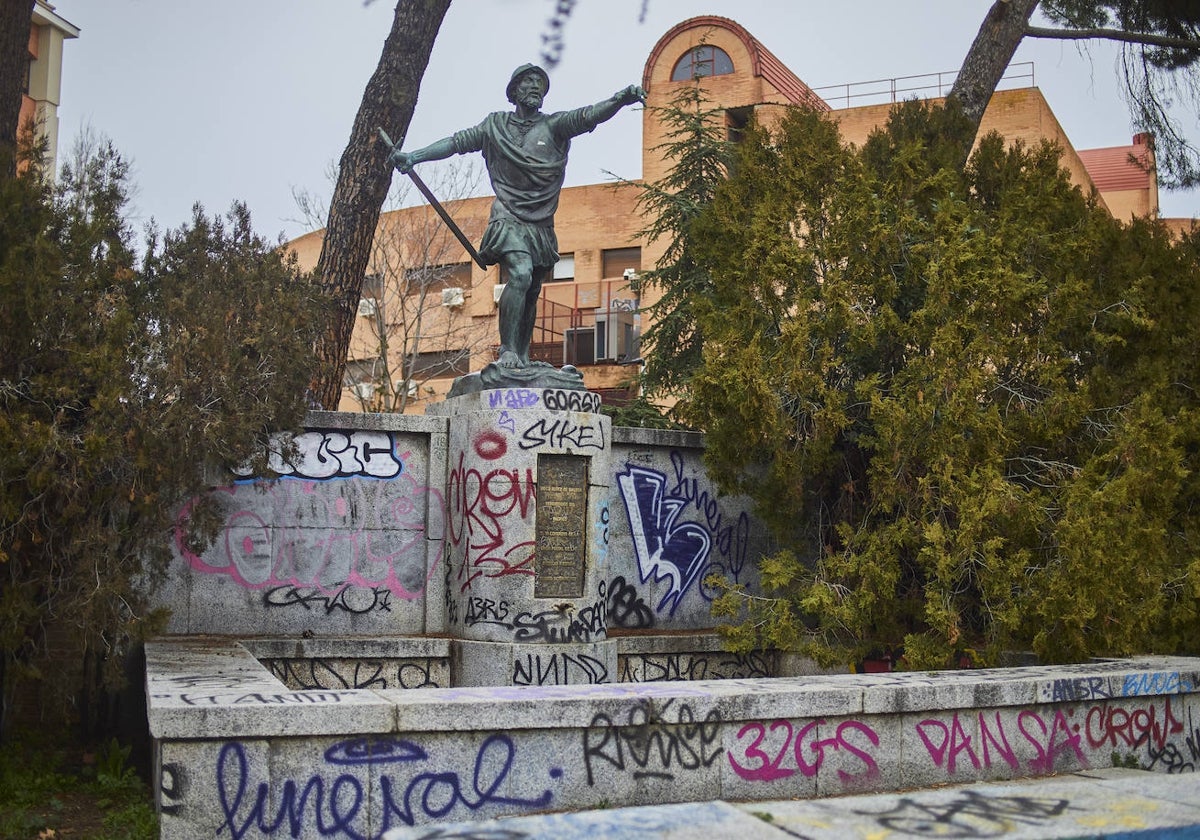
226	100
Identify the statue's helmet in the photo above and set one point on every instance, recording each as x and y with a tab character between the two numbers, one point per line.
520	73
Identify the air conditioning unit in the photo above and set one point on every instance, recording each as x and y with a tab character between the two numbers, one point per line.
408	386
497	291
367	307
580	346
452	296
363	390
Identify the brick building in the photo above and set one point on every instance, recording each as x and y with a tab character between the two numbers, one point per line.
588	315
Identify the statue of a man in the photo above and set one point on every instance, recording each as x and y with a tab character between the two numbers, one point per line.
526	156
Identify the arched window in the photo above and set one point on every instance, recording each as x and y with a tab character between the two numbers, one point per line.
703	60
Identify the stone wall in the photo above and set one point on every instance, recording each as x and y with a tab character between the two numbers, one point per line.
353	539
242	755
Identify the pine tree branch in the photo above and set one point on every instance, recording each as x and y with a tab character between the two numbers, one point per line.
1146	38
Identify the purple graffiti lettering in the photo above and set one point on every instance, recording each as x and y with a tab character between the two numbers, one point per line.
512	398
336	807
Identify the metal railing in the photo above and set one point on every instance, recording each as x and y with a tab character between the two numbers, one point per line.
563	331
925	86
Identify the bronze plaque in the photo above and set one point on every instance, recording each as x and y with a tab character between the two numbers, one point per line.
561	526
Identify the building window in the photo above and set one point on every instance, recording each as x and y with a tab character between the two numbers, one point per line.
434	278
441	363
736	120
616	261
564	269
372	286
362	371
704	60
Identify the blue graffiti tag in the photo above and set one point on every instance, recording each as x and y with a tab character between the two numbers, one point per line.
665	549
334	808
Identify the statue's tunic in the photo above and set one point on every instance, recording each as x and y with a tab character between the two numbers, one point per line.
526	162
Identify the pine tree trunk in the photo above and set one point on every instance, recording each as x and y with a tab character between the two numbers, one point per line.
363	180
16	16
988	58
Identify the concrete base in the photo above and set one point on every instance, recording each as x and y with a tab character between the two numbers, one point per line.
506	663
1122	804
241	753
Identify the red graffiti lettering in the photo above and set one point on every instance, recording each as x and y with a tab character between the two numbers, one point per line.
481	505
491	445
1115	726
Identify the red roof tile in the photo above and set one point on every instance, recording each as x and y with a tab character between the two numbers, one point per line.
1119	167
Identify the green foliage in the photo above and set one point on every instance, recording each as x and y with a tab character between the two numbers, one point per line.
700	155
43	793
641	413
970	396
119	383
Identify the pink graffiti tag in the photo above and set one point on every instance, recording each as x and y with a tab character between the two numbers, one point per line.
954	740
771	764
300	533
1057	738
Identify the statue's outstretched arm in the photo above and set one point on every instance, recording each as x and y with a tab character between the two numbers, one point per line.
405	161
606	109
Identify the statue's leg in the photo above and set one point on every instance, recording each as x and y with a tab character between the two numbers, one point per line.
519	268
529	312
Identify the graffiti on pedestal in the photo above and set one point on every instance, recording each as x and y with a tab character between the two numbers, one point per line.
344	528
679	532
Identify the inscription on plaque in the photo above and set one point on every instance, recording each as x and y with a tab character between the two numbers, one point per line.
561	526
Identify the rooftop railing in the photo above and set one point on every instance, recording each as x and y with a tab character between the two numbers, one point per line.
925	86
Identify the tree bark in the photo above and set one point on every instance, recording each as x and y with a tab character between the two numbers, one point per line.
16	17
363	180
988	57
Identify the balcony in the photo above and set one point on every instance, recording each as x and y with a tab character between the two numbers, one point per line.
587	324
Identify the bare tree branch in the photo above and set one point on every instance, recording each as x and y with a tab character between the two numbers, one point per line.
1146	38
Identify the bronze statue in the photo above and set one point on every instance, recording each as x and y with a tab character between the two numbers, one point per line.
526	155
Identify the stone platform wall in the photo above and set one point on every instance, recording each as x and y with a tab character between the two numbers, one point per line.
354	763
352	541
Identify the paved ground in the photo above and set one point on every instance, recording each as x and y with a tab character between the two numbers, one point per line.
1115	804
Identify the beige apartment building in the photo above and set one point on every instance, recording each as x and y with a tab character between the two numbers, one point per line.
588	315
43	82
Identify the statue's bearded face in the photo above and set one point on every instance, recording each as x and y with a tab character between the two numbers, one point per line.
531	90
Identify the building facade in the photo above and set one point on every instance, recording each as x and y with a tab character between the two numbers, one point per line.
589	316
43	84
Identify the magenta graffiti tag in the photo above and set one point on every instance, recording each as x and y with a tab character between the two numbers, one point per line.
296	532
768	765
1052	740
953	740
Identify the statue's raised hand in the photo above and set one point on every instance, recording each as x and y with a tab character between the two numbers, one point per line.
402	161
631	94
